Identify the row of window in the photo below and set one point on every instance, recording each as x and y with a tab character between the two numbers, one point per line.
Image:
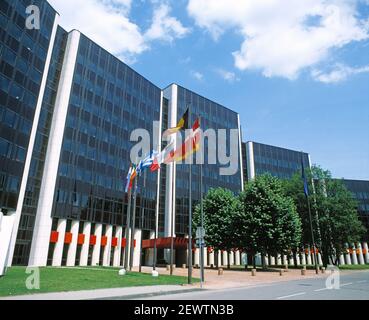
12	151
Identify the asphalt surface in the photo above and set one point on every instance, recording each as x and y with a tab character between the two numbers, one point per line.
349	286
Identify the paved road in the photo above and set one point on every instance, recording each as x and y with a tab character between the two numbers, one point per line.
353	286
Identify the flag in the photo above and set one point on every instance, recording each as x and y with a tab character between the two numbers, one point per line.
128	179
188	147
160	157
182	124
147	162
303	176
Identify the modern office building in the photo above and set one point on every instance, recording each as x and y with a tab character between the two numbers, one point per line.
219	120
360	192
280	162
67	110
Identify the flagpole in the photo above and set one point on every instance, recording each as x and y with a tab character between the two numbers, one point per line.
202	273
156	219
310	219
172	222
128	226
142	220
190	212
132	242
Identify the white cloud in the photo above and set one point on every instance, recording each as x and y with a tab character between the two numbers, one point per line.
339	73
165	27
197	75
105	22
228	75
108	23
282	39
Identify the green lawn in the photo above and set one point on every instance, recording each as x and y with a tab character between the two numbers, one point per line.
355	267
73	279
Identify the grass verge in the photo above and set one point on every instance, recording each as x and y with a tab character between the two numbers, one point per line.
73	279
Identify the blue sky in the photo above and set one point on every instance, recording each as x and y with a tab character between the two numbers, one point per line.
298	76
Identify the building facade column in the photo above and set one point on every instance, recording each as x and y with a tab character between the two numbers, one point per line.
86	244
320	261
238	258
279	259
117	249
303	258
211	259
196	261
59	245
231	258
342	260
107	247
353	255
348	255
308	258
225	258
366	252
219	258
205	255
360	253
137	248
285	260
298	259
43	221
72	250
97	246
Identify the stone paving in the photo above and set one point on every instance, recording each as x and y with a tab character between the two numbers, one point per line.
239	278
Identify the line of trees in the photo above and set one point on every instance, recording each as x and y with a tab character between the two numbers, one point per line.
271	217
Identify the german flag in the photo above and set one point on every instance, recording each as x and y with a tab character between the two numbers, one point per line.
181	125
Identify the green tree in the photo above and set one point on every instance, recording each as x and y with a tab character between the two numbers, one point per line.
219	206
267	221
334	213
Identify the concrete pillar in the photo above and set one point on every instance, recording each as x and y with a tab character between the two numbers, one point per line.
231	258
348	255
342	260
308	258
244	259
97	246
279	259
320	261
59	245
298	259
72	250
137	249
211	258
197	257
225	258
205	255
354	256
238	258
366	252
360	253
266	258
291	262
285	261
107	247
118	248
303	258
219	258
84	250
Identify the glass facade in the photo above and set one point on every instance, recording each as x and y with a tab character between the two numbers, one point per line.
279	162
22	62
213	116
29	209
360	192
108	101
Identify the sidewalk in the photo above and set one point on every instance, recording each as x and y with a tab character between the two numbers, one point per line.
113	293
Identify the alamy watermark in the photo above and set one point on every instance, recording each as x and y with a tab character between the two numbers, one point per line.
33	17
33	280
222	147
